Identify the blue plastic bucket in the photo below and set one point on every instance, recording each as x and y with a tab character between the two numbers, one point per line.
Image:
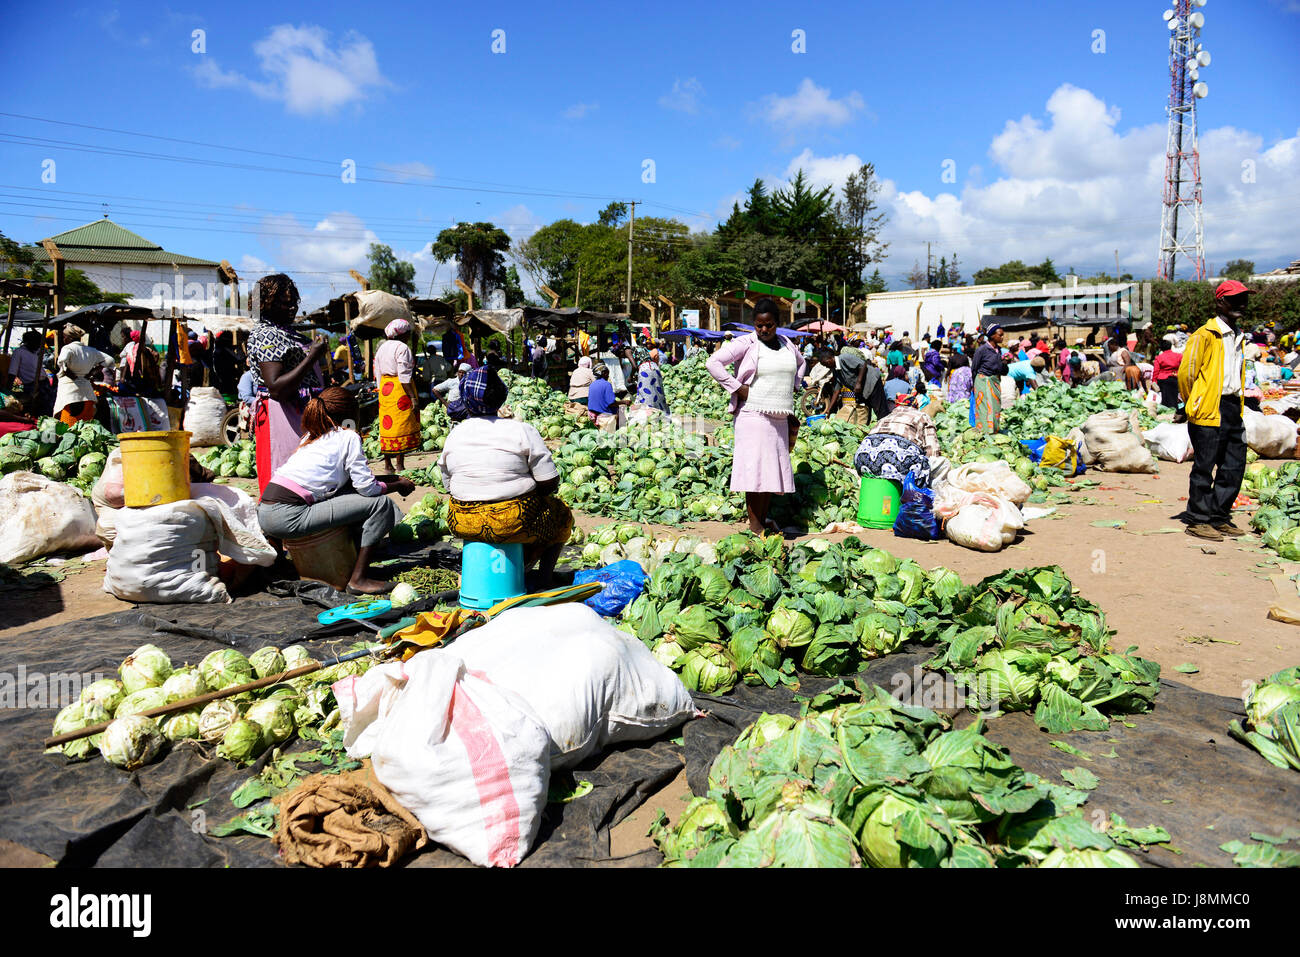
490	574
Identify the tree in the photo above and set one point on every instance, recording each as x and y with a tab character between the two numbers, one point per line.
1239	269
479	249
875	283
1017	271
389	274
513	290
708	268
858	214
550	255
917	278
613	215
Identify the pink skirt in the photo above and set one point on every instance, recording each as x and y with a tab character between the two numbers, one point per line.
761	462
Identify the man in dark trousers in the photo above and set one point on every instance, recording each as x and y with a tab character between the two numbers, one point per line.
1212	383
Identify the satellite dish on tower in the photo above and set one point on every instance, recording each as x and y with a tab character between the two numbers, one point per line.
1174	24
1167	15
1200	91
1193	73
1197	20
1203	58
1198	3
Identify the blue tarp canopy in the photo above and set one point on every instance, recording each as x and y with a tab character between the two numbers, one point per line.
692	333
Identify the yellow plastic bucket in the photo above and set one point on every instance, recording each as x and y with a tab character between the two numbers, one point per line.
155	467
327	556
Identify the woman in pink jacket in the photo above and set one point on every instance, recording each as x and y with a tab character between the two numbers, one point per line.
768	370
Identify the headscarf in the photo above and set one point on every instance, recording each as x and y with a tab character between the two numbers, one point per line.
482	393
898	372
397	328
640	355
275	299
584	362
135	335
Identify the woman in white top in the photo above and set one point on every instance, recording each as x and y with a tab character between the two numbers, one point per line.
768	370
501	478
75	400
326	484
399	412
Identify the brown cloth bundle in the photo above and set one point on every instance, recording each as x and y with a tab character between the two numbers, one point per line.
346	820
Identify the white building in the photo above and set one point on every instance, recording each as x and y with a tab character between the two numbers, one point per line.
918	311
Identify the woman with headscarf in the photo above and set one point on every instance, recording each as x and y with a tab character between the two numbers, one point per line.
650	380
768	368
501	478
959	378
896	385
305	495
399	412
286	374
932	365
75	400
580	381
126	358
987	370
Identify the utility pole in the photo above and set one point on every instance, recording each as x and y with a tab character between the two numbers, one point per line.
1117	265
929	269
631	219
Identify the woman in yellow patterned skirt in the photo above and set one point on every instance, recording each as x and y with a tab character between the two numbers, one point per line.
501	477
399	414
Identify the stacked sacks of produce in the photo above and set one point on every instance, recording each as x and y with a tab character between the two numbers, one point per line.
690	390
542	407
980	505
231	461
1016	642
860	779
72	454
239	728
1113	441
653	473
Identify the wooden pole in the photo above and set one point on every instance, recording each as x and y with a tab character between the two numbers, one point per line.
630	221
56	258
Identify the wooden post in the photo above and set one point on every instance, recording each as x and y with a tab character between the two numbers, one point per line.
550	293
230	278
715	308
56	258
467	291
4	352
362	281
672	311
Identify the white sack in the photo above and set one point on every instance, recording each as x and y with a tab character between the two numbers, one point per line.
986	524
41	516
1169	442
1271	436
1114	439
204	417
996	478
459	752
108	491
589	684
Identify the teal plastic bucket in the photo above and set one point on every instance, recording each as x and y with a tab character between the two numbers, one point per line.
878	502
490	574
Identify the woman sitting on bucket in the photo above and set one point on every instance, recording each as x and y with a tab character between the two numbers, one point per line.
501	477
326	484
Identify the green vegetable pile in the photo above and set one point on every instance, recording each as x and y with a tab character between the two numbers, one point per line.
612	543
425	522
230	461
861	779
429	581
690	390
1273	717
241	727
542	407
826	484
656	472
1278	517
1016	641
72	454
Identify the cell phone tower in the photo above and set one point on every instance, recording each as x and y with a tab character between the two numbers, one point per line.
1182	188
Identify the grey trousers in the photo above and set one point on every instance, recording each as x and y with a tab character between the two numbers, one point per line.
375	514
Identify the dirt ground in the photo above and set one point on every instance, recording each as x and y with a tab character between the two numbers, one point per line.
1181	601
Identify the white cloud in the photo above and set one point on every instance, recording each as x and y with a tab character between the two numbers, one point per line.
407	172
810	106
301	69
684	96
578	110
822	171
1073	187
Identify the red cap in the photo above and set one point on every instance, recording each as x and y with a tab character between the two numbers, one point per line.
1230	287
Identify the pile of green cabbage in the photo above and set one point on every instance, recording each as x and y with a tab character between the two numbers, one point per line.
542	407
607	544
1278	517
240	727
434	426
1273	719
756	611
73	454
656	472
231	461
690	390
826	484
425	522
863	780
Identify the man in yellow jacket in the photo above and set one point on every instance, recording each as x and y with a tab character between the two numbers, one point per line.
1211	383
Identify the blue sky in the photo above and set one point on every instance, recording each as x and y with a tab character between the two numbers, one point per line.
1055	133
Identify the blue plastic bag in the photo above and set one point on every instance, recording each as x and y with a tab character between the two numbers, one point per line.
916	514
1035	448
623	582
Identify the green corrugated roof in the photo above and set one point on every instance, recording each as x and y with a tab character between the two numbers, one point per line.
104	241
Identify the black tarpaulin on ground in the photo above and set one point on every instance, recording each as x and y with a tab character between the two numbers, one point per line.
1219	789
93	814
